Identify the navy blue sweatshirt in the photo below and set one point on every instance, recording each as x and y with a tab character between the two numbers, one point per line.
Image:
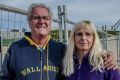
25	62
83	72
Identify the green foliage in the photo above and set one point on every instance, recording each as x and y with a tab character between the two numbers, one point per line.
55	35
101	35
113	32
15	30
109	34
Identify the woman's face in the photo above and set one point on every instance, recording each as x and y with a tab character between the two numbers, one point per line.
83	39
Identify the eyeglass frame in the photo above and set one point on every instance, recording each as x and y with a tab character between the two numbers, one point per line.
37	18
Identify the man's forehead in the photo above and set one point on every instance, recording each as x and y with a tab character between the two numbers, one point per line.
40	10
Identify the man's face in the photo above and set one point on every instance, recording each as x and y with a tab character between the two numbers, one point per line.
40	22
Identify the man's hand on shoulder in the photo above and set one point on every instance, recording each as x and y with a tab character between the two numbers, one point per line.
109	61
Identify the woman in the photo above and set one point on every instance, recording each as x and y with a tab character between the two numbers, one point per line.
83	59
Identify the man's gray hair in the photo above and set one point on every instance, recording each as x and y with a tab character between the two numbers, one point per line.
34	5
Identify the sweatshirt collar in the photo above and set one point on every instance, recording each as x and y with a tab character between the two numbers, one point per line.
28	38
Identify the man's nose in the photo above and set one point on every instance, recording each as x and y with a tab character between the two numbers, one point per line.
40	20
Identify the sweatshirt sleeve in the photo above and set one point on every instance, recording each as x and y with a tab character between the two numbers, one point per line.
113	75
7	72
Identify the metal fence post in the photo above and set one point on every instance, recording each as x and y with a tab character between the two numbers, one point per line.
60	24
1	57
65	24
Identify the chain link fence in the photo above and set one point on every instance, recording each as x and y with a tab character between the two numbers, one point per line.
13	25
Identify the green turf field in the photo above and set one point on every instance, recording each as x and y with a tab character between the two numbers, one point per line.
7	42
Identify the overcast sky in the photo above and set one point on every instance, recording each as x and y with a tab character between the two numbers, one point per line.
101	12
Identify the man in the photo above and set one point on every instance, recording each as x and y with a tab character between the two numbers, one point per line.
37	56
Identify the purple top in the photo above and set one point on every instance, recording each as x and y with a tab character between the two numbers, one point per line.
84	72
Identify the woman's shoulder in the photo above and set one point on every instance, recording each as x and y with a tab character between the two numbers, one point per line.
112	74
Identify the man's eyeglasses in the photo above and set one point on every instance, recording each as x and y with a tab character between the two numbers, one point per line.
41	18
87	34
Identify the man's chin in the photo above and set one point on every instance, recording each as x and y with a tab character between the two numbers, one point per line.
43	35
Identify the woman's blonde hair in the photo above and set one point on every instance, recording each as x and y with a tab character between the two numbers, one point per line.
95	59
